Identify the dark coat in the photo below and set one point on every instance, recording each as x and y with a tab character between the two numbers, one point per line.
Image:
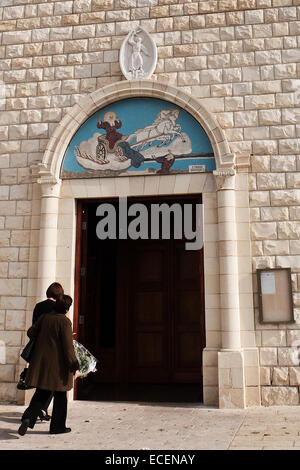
53	361
46	306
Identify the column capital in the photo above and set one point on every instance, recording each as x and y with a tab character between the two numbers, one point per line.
50	186
225	178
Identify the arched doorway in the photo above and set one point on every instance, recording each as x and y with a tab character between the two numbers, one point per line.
140	299
219	191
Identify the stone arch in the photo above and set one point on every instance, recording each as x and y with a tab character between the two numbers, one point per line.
229	360
80	112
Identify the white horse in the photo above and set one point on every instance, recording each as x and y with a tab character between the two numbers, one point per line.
164	128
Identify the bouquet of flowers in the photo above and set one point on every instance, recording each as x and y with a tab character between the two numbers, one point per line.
87	362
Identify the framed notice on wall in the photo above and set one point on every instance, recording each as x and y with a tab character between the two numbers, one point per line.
275	295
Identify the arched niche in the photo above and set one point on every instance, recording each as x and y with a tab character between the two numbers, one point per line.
100	99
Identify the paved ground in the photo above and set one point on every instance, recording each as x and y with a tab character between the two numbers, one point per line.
137	426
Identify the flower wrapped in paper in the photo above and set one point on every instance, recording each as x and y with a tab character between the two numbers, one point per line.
87	362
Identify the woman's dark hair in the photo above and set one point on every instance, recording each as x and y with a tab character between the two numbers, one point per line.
63	304
55	290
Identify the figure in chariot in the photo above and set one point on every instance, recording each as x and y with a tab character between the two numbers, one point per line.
107	143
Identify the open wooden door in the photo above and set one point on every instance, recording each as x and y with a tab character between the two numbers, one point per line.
141	313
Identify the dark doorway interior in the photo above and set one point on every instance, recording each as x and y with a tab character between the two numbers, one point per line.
140	311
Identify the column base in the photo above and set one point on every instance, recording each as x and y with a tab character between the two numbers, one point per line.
231	379
210	377
238	372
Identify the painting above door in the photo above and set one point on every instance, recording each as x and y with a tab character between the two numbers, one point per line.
138	136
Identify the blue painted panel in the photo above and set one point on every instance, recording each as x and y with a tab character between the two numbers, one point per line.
138	136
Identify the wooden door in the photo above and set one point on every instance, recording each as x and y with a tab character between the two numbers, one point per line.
166	312
187	314
148	313
139	308
95	301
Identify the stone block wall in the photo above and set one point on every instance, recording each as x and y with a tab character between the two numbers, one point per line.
239	57
275	222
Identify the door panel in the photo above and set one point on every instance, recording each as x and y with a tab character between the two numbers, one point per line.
148	312
149	307
189	308
189	349
188	314
149	350
148	264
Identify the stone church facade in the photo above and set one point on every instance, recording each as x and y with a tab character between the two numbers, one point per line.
231	64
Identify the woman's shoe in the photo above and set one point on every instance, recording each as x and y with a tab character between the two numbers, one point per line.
62	431
24	426
44	416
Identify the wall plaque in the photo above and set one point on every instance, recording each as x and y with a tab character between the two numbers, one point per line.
275	295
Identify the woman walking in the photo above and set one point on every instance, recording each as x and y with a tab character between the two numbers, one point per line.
52	367
54	292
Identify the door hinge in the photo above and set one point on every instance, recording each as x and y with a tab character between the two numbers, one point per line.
81	319
82	271
83	226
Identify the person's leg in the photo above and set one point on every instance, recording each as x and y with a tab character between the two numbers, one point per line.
59	412
47	403
39	398
31	413
23	373
46	416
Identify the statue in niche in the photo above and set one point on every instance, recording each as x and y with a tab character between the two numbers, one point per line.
136	67
138	55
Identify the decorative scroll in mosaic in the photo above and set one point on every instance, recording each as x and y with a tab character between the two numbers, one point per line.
138	136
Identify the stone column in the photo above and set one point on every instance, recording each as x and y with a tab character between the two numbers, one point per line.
46	271
230	357
50	190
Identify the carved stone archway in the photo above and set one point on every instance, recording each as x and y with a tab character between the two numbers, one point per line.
230	363
79	113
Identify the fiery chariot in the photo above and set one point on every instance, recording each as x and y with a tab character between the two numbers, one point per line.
116	151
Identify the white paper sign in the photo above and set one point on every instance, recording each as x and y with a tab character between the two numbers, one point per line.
267	283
